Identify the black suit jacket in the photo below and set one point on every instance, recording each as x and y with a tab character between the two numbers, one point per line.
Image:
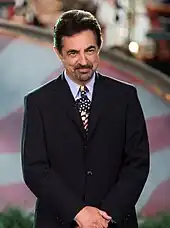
66	171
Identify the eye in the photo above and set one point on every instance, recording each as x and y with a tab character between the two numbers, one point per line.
73	53
90	51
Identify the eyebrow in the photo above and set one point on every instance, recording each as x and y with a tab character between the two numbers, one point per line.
90	47
72	50
76	51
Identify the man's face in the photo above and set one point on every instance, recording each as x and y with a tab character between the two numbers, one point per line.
80	56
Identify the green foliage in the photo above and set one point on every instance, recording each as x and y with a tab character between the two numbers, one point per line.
162	220
15	218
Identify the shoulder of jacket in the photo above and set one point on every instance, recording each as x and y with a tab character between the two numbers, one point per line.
120	84
42	90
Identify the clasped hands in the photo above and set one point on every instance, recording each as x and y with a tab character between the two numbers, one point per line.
91	217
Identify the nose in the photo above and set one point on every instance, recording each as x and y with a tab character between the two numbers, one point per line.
82	59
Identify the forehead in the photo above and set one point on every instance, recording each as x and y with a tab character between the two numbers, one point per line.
80	40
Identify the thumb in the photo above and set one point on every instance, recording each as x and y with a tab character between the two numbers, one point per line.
105	215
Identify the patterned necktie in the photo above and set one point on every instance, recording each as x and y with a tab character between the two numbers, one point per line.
83	104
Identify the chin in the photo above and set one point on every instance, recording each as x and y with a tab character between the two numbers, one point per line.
85	77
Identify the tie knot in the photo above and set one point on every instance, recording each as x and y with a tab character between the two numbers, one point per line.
83	90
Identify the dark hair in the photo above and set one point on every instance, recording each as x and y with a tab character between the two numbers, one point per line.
75	21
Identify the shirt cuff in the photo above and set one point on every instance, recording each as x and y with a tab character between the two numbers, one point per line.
113	221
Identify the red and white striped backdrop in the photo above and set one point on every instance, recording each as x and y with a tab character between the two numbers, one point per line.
12	188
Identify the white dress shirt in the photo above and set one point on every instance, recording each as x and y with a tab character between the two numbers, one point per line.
74	87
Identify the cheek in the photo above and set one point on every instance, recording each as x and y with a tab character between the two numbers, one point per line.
95	62
94	59
72	61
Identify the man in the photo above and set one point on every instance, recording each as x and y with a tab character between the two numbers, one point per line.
85	148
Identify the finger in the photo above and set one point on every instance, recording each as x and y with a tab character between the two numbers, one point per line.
105	215
104	223
97	225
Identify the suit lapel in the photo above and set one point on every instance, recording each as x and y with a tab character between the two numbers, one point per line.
97	105
67	101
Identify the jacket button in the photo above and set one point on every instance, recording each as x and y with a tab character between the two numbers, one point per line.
89	173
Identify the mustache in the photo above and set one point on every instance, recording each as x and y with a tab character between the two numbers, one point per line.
90	66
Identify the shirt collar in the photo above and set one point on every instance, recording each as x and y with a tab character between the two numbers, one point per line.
75	87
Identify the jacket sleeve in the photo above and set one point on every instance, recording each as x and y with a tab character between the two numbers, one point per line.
121	200
46	184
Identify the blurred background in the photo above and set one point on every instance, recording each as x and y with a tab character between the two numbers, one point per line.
136	49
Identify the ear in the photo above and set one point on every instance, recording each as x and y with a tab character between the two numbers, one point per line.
58	53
